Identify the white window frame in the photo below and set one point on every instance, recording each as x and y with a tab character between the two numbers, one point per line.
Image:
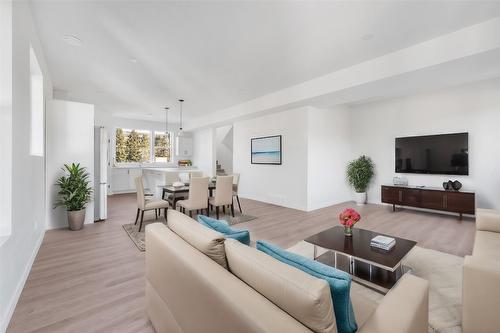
171	148
151	161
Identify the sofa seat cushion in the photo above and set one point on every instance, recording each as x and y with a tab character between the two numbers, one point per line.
363	307
222	226
487	244
339	282
302	296
205	240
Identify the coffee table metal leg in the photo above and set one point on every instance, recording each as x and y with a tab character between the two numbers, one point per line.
314	252
335	259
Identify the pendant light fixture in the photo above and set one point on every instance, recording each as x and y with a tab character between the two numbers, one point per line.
166	120
180	123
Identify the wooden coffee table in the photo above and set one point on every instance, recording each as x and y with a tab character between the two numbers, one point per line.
374	268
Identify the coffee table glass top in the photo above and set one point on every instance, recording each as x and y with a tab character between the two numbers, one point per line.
358	245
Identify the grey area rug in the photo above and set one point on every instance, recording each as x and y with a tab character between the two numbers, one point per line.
444	273
139	237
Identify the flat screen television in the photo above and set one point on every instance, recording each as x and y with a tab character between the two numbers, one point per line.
446	154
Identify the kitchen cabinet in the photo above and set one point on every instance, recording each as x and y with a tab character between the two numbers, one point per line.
184	146
123	179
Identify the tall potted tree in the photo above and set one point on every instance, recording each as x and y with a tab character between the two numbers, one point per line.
359	174
74	193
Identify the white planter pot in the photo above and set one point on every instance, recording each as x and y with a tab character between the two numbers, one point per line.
360	198
76	219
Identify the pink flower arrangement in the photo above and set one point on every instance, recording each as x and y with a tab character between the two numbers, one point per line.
349	217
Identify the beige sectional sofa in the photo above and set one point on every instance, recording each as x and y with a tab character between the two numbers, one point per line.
196	281
481	284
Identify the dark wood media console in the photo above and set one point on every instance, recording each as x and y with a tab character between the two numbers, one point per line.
463	202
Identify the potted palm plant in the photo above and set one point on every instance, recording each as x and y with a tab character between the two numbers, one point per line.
74	193
359	174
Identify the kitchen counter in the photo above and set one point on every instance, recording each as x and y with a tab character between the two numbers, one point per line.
153	167
156	178
122	178
170	169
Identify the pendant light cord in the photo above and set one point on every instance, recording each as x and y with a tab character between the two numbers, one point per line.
180	101
166	120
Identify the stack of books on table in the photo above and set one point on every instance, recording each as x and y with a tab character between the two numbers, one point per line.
383	242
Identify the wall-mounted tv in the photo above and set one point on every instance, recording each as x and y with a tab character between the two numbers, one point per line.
446	154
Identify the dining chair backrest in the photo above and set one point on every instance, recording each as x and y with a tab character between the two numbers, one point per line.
236	181
193	174
141	198
223	190
198	192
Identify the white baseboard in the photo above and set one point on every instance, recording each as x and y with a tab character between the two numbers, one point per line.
270	201
4	323
324	205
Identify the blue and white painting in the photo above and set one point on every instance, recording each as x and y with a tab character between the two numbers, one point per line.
266	150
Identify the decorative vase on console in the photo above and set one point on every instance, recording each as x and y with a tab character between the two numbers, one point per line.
348	218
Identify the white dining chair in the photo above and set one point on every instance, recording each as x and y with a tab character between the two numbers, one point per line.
144	204
193	174
223	194
236	182
197	197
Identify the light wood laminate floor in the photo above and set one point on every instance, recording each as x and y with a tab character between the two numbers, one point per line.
92	280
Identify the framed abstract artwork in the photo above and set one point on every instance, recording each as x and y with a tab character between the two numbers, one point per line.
266	150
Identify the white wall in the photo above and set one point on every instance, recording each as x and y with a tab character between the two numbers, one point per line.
285	184
28	172
224	147
328	153
204	151
70	139
6	118
473	108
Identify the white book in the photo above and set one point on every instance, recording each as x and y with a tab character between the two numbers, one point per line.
383	240
383	247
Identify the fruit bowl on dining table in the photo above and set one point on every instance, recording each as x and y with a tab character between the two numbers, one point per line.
178	184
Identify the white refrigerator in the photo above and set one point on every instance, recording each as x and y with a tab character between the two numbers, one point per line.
101	163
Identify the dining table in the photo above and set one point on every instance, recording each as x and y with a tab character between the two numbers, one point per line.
173	194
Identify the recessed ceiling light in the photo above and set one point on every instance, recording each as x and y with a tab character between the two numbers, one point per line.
367	37
72	40
134	61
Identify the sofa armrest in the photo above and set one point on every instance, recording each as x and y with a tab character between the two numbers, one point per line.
488	220
481	292
404	309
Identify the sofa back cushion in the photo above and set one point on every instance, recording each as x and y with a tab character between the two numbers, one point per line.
205	240
222	226
339	282
301	295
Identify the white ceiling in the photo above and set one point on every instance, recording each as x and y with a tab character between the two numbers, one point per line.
219	54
